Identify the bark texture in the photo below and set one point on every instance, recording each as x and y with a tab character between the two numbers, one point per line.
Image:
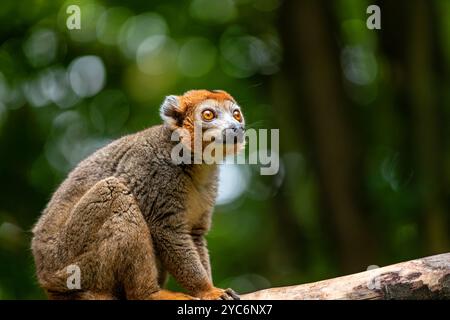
426	278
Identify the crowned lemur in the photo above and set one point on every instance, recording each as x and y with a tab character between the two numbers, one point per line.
128	214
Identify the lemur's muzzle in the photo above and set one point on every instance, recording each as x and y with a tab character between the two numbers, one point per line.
233	134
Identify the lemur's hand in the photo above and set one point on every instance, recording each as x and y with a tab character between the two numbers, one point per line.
219	294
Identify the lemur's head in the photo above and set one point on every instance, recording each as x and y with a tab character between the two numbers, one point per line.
215	114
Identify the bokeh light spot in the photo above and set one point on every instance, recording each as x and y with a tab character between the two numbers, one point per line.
55	86
33	93
87	75
157	55
243	56
139	28
197	57
110	23
41	47
233	181
359	65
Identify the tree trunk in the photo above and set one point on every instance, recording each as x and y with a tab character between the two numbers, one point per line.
311	74
426	278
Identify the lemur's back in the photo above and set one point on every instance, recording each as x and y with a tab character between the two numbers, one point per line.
96	167
100	165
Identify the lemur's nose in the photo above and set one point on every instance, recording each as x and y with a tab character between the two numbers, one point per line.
236	127
233	134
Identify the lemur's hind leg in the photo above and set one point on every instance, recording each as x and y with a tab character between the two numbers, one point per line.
107	238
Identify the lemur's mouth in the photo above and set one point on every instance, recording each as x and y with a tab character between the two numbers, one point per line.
236	139
227	140
228	137
231	140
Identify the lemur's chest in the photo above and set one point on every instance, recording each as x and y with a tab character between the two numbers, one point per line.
201	194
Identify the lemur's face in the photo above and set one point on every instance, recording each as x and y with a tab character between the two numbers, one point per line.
222	122
213	117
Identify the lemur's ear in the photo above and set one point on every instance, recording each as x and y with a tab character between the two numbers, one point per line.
170	112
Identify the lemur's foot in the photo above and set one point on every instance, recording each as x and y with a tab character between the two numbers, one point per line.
219	294
169	295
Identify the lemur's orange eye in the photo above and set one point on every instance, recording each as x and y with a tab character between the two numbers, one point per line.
237	115
207	115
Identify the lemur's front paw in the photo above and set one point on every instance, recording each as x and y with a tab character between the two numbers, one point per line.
230	294
219	294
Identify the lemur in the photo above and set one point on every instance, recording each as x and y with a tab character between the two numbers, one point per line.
127	215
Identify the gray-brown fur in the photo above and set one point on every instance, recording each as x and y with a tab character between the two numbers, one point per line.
127	216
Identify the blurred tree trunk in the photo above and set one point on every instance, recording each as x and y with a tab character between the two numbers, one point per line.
311	74
426	125
411	51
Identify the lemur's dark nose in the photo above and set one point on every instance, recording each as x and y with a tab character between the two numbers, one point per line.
233	134
236	127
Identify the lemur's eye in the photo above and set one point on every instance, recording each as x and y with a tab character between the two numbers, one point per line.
208	115
237	115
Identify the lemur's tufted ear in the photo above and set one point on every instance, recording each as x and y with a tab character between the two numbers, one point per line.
170	112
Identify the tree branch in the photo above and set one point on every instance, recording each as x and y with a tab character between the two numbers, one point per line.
426	278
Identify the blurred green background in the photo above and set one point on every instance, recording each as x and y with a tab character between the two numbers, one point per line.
363	118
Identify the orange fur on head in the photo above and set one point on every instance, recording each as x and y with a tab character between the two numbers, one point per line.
193	97
176	108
